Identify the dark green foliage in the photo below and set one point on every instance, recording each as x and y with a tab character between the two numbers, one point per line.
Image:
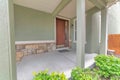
107	66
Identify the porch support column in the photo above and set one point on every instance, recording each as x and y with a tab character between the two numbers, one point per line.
7	43
80	33
104	31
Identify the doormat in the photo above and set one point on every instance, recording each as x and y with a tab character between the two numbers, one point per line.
64	50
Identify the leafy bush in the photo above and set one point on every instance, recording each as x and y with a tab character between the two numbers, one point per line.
115	78
43	75
108	66
57	76
83	74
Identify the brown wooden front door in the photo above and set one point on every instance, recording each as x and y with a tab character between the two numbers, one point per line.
62	33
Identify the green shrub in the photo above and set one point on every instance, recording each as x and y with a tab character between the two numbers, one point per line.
57	76
43	75
107	66
115	78
83	74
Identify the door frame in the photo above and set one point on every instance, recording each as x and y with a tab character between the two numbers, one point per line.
60	17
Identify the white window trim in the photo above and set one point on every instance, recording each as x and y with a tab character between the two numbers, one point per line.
74	31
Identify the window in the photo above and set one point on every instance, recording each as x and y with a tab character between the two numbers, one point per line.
75	30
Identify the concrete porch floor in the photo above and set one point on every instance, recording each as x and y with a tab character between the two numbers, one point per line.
53	61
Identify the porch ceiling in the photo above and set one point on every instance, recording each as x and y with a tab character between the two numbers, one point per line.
42	5
68	11
103	3
111	2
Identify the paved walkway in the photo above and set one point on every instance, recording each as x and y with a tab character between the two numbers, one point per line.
53	61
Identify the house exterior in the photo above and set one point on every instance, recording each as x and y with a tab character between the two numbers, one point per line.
32	31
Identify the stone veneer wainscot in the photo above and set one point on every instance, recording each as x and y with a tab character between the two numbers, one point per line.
24	48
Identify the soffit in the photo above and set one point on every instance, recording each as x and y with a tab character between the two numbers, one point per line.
42	5
70	10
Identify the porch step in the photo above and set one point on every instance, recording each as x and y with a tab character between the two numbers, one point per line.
64	48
